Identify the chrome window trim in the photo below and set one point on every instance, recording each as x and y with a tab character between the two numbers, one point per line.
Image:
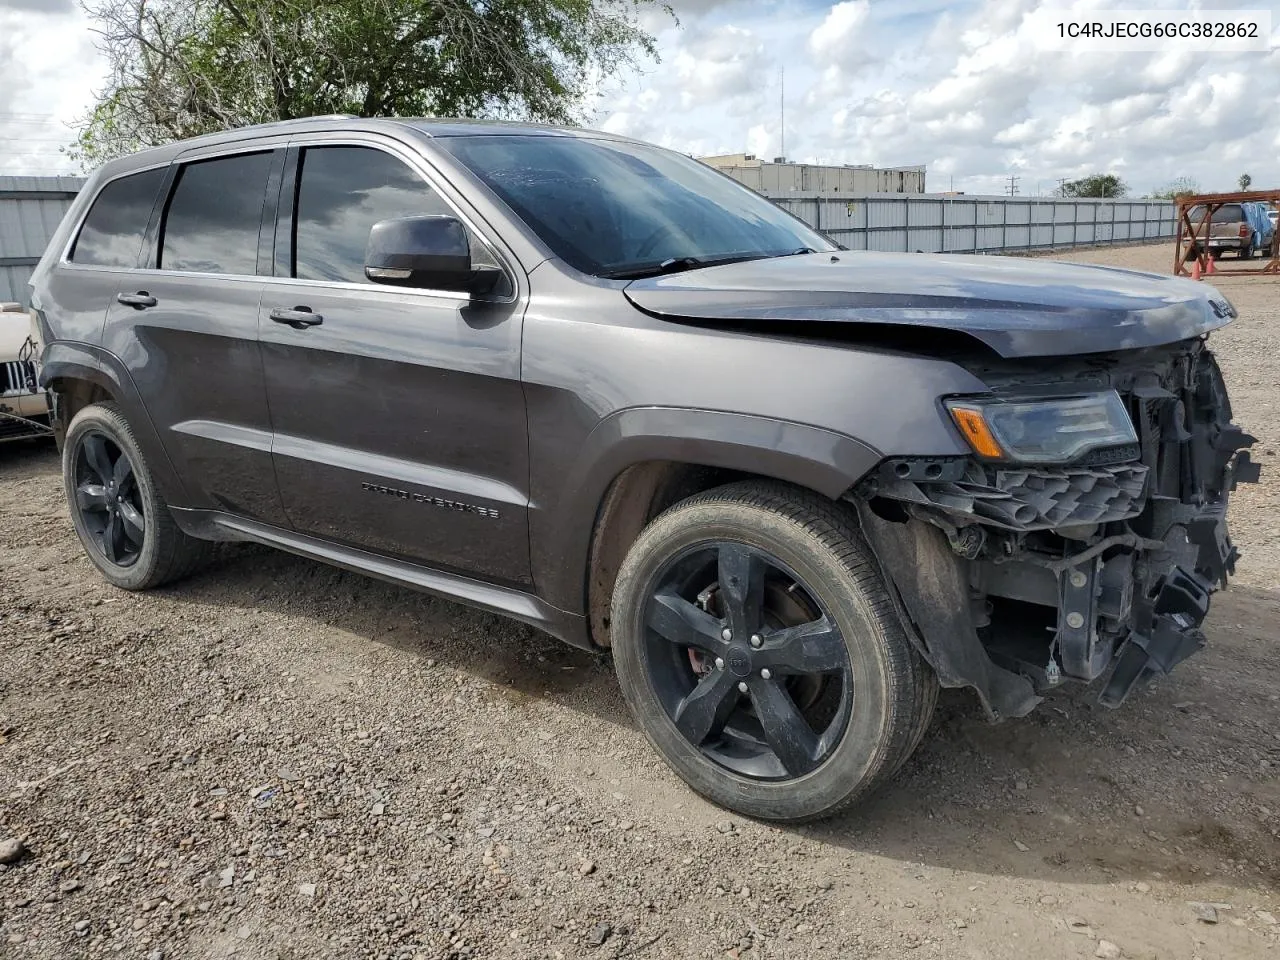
375	287
64	257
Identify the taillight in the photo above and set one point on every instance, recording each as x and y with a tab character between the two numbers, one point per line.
1244	230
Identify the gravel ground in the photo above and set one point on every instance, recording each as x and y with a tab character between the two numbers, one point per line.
280	759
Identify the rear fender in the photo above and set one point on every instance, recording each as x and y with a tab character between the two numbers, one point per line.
65	364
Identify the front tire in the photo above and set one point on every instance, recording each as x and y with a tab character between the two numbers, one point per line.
122	521
761	653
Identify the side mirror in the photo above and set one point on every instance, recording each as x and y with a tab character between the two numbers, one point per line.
427	252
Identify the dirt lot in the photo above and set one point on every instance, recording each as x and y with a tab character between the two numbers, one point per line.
279	759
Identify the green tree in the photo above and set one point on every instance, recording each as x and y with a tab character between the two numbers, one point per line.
179	68
1245	181
1095	185
1177	188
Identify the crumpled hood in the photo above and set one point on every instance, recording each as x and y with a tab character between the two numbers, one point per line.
1017	307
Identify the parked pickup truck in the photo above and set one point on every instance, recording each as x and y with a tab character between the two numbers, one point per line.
603	389
1242	228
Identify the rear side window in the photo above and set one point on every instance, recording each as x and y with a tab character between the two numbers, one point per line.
342	193
1227	213
113	230
214	216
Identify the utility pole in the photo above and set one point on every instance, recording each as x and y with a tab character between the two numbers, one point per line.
782	112
1062	186
1012	188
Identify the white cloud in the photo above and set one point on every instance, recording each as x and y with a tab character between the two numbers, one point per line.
961	85
837	37
48	71
967	88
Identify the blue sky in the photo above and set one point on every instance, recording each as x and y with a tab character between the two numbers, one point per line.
954	85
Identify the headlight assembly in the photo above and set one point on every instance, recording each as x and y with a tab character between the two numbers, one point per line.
1043	431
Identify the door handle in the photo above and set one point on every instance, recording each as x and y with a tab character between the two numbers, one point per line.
140	300
299	317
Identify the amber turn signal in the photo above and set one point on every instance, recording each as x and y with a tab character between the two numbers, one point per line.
974	427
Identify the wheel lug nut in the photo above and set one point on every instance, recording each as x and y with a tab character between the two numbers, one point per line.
719	663
742	688
765	674
755	640
726	634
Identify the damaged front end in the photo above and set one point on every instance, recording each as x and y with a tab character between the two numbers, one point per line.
1020	571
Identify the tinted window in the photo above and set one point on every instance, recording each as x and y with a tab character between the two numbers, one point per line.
112	233
1227	213
342	193
214	214
609	206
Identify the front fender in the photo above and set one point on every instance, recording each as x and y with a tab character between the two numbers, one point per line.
807	456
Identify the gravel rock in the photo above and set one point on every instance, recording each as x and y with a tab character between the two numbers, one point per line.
12	850
599	934
1107	950
1205	912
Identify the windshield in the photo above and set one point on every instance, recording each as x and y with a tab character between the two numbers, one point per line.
609	207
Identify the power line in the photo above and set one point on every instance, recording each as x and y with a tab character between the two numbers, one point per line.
1012	188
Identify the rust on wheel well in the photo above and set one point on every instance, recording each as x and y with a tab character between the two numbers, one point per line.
636	496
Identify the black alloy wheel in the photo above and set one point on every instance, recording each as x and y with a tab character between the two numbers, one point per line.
761	654
747	664
108	498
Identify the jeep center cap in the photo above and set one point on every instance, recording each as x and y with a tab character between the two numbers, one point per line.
739	661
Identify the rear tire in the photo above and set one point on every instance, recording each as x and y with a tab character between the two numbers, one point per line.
122	521
874	695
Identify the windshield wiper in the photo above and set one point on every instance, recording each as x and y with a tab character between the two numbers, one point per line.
677	265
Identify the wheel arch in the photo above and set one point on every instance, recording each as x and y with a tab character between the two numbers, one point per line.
639	461
77	375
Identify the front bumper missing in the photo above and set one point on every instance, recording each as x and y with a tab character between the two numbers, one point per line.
1015	580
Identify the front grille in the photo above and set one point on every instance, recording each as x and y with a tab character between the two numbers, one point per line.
1034	498
17	376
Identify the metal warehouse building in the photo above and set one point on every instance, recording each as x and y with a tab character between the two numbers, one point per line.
780	178
30	210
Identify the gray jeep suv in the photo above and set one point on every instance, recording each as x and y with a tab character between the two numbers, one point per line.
603	389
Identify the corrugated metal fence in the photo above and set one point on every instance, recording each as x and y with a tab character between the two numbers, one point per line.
31	207
943	224
30	210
